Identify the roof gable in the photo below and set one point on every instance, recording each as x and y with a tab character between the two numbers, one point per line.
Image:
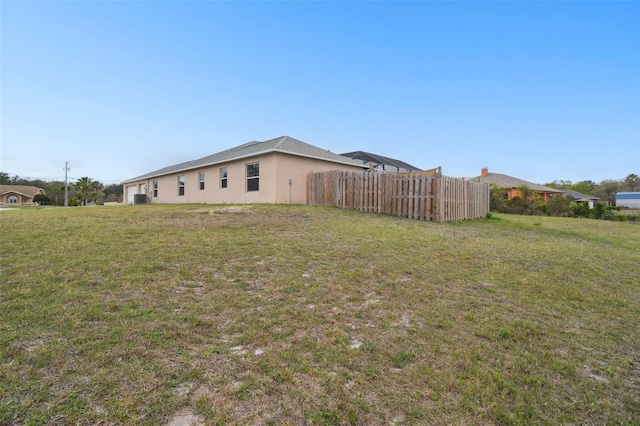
579	195
26	190
505	181
284	144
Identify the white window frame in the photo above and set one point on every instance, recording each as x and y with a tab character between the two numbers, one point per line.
13	199
224	178
201	180
181	186
252	178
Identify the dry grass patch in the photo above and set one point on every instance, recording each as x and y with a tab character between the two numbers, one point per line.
294	315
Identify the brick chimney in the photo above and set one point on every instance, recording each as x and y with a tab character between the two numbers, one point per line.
484	172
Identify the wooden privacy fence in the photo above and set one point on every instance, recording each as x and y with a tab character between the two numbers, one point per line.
434	198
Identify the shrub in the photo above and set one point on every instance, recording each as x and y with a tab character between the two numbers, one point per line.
543	209
597	212
42	199
560	205
497	198
581	209
521	205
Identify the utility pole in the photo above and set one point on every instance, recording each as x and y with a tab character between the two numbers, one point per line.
66	184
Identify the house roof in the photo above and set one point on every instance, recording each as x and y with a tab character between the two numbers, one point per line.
377	160
283	144
579	196
26	190
505	181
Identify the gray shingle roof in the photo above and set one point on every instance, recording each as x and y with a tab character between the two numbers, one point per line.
505	181
578	195
283	144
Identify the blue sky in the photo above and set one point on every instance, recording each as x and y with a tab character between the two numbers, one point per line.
537	90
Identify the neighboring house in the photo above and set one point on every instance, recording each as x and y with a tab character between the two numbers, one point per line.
19	195
380	162
628	199
273	171
580	198
512	185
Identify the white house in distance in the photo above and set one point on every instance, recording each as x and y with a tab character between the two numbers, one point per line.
272	171
628	199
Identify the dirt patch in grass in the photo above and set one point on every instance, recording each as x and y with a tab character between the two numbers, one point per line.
186	417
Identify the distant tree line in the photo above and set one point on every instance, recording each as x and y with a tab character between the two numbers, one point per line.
85	190
605	190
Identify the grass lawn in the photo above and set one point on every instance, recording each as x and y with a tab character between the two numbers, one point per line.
303	315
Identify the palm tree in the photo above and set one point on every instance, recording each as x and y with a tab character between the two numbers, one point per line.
96	191
85	185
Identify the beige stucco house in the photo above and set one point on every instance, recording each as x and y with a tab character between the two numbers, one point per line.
272	171
19	195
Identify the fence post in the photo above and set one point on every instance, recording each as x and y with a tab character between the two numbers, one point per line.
424	197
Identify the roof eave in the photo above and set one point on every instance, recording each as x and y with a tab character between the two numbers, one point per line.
199	166
268	151
19	193
320	158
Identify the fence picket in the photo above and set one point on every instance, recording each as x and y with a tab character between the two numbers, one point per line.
434	197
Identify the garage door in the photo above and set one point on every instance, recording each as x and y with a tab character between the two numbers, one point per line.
131	191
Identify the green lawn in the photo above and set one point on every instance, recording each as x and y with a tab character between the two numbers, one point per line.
293	315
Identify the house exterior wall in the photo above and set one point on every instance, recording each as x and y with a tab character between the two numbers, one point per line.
23	200
275	170
297	169
546	196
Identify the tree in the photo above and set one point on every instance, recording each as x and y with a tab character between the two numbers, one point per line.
4	178
583	187
607	190
85	186
559	184
41	199
111	198
96	191
632	182
113	192
55	191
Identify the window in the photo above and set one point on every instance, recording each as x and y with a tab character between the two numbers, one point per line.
223	177
201	180
13	199
181	185
155	189
253	177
